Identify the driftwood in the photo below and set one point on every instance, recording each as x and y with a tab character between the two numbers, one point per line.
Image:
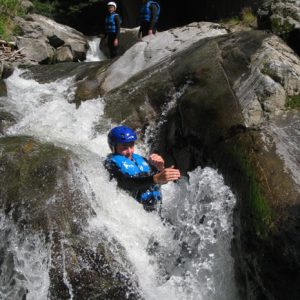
8	52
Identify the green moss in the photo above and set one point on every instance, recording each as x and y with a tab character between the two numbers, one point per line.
281	27
8	10
29	174
293	102
260	213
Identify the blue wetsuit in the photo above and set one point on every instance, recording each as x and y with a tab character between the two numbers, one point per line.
149	15
136	177
112	32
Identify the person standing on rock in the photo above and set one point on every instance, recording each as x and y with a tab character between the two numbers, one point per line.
135	174
149	15
112	29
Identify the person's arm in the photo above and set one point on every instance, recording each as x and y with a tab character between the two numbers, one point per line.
153	9
118	25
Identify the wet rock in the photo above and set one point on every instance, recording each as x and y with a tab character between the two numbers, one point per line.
6	119
6	69
221	102
3	89
41	196
155	48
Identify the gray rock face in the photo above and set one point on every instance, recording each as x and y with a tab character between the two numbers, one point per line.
36	50
64	54
27	5
221	102
283	17
49	36
274	75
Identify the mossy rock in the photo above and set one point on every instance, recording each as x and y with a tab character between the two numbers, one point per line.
30	172
293	102
3	89
40	195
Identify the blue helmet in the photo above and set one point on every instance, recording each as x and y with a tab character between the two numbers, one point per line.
121	134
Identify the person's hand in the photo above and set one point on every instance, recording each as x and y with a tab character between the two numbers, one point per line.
157	161
150	31
116	42
168	174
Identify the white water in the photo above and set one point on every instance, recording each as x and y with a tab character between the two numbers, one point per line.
94	53
189	259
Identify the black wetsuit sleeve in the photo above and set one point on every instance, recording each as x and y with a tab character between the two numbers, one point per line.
127	182
118	25
153	9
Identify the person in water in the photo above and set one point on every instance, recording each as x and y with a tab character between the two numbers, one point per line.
139	176
149	15
112	29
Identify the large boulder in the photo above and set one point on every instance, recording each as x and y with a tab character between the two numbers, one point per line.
49	35
41	201
36	50
222	101
152	49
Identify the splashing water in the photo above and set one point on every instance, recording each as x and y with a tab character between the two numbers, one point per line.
185	256
94	53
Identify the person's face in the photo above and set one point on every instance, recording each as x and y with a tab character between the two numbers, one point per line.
111	9
125	149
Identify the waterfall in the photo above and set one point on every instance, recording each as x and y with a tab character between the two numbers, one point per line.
94	53
185	254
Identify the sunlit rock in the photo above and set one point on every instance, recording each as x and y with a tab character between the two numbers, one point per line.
64	54
155	48
36	50
40	29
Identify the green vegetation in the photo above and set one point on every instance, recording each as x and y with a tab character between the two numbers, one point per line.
293	102
45	8
282	27
259	211
8	10
55	9
246	18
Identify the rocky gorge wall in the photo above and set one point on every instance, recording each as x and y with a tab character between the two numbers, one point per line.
231	93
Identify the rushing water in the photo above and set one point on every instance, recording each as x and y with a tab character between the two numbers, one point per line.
94	53
186	256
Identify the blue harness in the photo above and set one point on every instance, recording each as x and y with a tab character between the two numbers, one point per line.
138	166
110	23
145	12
